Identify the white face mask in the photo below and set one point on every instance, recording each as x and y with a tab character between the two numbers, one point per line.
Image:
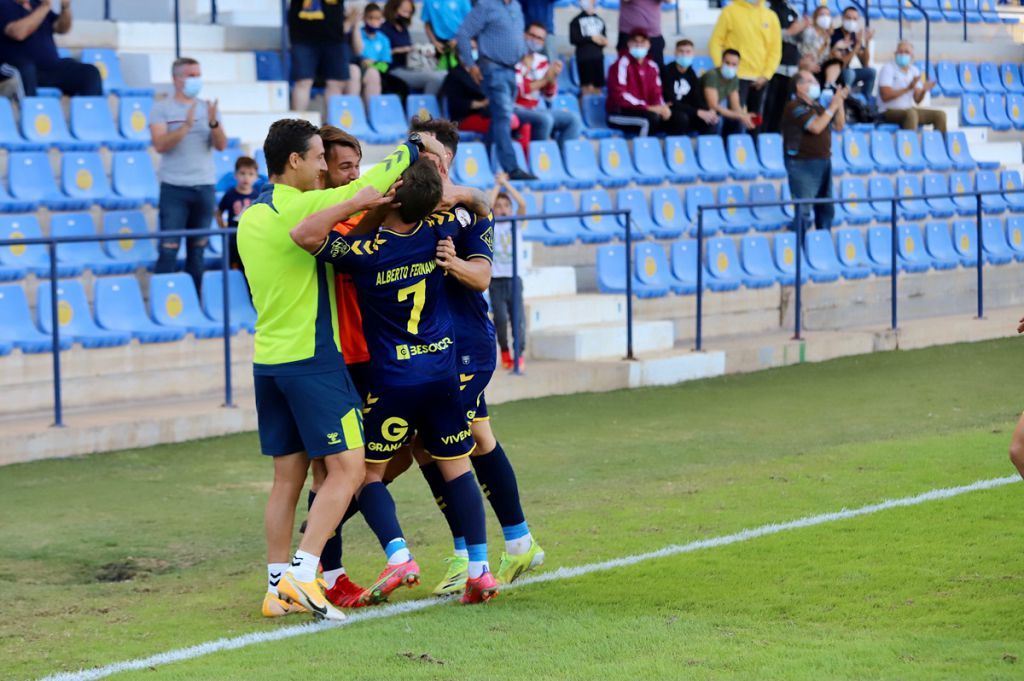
851	25
824	21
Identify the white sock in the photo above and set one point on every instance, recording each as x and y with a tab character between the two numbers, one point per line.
304	566
462	553
517	547
399	556
477	568
274	572
331	576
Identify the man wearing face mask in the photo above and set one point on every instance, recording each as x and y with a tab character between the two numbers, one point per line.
185	130
900	90
807	138
750	27
852	40
635	103
536	75
682	91
721	89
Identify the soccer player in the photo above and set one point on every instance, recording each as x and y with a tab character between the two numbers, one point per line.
306	405
1017	443
415	385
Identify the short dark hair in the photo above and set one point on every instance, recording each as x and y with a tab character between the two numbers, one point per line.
179	62
446	132
246	162
372	7
729	51
503	195
536	24
285	137
639	34
853	9
684	42
420	191
334	136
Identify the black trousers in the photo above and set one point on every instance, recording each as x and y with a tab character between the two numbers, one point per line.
68	75
656	53
640	123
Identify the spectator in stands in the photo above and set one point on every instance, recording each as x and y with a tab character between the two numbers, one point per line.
235	201
750	26
642	16
506	293
27	45
316	31
409	63
852	40
497	26
816	40
587	32
539	12
536	76
807	138
780	87
721	88
635	102
900	90
682	91
373	48
441	22
185	130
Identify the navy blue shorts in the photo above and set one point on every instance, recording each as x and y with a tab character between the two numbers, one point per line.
328	61
360	374
434	410
472	391
320	414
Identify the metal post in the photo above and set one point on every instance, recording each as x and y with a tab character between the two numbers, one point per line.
894	246
867	13
927	46
981	257
213	11
799	269
177	28
225	267
629	285
515	299
106	10
58	415
679	18
963	15
698	345
900	10
284	41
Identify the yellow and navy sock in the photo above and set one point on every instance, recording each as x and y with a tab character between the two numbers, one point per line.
464	495
379	510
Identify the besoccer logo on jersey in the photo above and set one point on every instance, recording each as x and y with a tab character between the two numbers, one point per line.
402	351
488	238
339	247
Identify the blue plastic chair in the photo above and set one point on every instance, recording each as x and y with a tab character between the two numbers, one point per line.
598	228
702	63
134	177
947	79
858	209
959	152
9	204
546	164
701	195
173	302
17	327
853	252
640	212
934	147
734	220
567	102
1015	236
769	151
582	166
880	189
87	254
743	157
962	184
682	161
767	218
722	266
270	65
387	118
42	122
938	206
940	246
908	151
880	249
683	275
133	118
965	241
857	150
997	249
560	230
711	157
346	112
119	307
784	250
972	110
910	245
996	112
109	66
970	81
883	151
472	166
911	209
595	118
33	258
91	122
822	257
135	252
652	270
32	179
224	167
1015	109
611	269
991	81
1010	180
83	178
614	157
74	317
423	106
986	181
669	217
1010	76
650	162
240	306
839	165
10	137
757	263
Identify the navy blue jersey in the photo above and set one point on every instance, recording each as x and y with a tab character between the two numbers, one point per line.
406	315
474	331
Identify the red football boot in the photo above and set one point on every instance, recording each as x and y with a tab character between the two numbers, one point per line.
480	590
345	593
506	359
391	577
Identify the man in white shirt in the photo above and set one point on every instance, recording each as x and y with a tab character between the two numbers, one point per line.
901	89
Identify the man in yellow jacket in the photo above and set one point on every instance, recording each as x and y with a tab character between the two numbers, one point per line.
751	28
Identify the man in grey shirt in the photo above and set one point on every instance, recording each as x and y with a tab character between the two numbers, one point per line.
184	131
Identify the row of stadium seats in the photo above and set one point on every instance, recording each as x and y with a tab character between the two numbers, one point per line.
953	11
761	261
953	80
993	111
83	181
42	124
120	314
108	64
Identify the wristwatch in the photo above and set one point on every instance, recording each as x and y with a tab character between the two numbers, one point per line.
214	125
417	141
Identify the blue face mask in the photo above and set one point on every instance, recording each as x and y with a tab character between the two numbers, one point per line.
476	55
685	61
638	53
728	72
193	84
903	60
814	92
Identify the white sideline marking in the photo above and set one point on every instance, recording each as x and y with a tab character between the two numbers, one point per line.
254	638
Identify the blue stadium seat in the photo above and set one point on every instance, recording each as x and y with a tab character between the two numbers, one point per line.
42	122
74	317
823	259
932	10
1015	236
1010	75
784	250
387	118
91	122
960	153
722	266
743	157
711	157
240	309
940	246
910	245
969	79
261	162
109	66
614	157
883	151
997	249
595	118
965	241
986	181
650	162
640	212
991	81
972	110
839	165
952	12
10	138
598	228
119	307
702	63
173	302
987	11
683	276
908	150
521	162
611	271
17	327
962	184
857	150
911	209
133	118
756	259
34	258
652	271
134	177
682	161
87	254
934	146
858	209
527	226
559	230
880	189
472	166
767	218
136	252
996	113
581	164
8	204
734	220
1015	109
769	150
1010	181
546	164
669	218
346	112
853	252
83	178
947	79
565	83
224	167
567	102
701	195
938	206
270	65
880	248
424	106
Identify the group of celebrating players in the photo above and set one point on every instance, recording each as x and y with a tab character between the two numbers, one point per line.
373	348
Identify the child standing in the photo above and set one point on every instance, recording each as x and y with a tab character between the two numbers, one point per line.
235	201
587	33
374	50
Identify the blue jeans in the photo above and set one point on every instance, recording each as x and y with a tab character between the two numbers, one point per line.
184	208
812	179
564	124
864	76
500	87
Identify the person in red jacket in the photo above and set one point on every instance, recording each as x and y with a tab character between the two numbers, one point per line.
635	103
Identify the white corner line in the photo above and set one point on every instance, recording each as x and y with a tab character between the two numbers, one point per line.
255	638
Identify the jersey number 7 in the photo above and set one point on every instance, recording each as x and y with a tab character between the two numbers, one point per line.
418	291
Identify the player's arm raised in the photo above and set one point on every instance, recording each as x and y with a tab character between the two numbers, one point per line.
474	199
312	232
474	273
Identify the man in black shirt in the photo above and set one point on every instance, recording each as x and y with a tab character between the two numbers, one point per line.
316	29
685	95
781	85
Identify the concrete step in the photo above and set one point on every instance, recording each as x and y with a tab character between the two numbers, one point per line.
252	127
1006	153
147	69
549	281
580	343
263	96
558	312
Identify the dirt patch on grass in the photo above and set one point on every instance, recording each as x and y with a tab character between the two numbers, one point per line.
131	568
